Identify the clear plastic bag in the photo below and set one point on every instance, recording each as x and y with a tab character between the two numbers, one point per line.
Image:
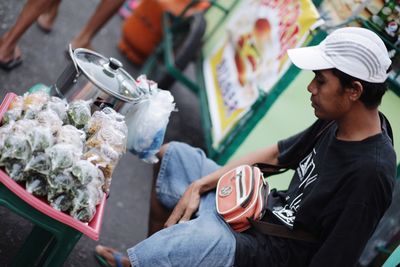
23	126
85	172
61	202
60	182
95	190
79	113
147	122
5	131
36	184
33	104
40	138
109	135
15	170
35	100
83	207
15	110
12	115
60	186
39	163
16	146
105	165
69	134
48	118
59	106
62	156
104	117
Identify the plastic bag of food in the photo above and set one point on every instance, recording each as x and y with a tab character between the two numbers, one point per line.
49	119
109	135
83	207
59	106
12	115
60	182
85	172
62	156
35	100
16	146
40	138
39	163
15	110
95	188
69	134
145	86
79	113
33	104
60	186
36	184
61	202
23	126
5	131
147	122
104	163
17	103
107	116
15	170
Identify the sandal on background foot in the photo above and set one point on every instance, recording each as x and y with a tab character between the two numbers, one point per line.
40	25
11	64
103	262
43	29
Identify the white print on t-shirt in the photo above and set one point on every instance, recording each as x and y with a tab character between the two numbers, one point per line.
307	175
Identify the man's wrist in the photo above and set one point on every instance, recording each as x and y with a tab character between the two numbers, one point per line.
204	184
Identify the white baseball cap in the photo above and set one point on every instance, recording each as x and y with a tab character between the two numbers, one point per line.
358	52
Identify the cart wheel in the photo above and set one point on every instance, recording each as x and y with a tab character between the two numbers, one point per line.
187	44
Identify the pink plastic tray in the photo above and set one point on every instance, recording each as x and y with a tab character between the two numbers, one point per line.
92	229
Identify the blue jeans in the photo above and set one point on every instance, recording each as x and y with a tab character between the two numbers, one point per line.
206	240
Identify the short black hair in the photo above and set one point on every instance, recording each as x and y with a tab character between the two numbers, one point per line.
372	93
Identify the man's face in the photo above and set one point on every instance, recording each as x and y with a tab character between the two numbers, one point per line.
328	98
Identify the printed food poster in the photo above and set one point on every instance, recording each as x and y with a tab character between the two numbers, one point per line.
252	56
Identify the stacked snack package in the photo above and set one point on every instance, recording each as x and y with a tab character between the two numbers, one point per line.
60	152
107	142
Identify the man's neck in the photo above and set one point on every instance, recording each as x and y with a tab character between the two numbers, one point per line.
358	125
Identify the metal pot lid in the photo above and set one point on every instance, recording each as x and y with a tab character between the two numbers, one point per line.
107	74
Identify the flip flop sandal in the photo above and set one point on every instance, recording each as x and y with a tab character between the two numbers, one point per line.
103	262
43	29
11	64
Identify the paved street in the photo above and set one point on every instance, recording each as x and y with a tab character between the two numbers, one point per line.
125	218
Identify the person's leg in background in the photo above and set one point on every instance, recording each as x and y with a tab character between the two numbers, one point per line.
47	19
104	11
10	54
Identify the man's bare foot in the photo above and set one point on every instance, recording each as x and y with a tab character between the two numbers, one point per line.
109	255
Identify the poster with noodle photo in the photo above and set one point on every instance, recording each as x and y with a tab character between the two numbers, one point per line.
251	56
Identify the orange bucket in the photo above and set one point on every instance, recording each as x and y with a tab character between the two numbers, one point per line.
142	31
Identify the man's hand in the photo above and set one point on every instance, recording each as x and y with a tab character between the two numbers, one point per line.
186	206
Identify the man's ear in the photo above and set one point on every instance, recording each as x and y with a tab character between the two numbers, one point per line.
355	90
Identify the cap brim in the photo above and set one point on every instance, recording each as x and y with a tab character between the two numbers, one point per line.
309	58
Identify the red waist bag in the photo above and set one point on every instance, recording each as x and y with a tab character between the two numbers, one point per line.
241	195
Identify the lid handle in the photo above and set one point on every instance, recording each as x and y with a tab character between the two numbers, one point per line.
72	56
115	63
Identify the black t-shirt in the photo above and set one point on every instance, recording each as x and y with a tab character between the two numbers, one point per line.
339	192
